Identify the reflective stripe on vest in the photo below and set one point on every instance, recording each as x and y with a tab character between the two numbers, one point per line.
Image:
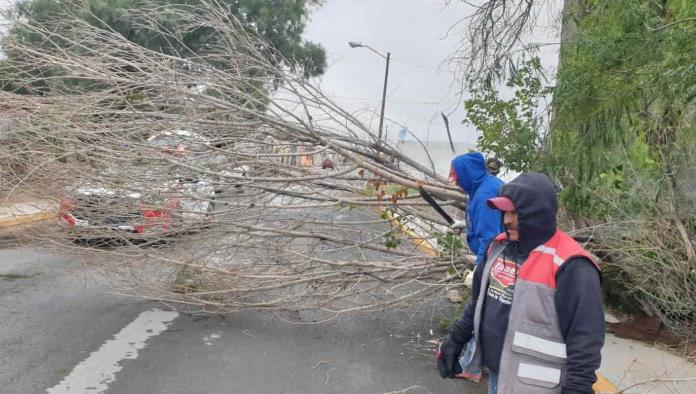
540	345
550	251
537	372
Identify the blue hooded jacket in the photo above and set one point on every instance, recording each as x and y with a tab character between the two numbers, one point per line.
483	223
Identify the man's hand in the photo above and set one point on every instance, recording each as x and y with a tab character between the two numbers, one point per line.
448	358
459	226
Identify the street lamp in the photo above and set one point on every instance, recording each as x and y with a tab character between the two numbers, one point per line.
354	44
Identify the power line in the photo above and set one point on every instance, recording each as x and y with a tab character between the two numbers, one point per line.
390	100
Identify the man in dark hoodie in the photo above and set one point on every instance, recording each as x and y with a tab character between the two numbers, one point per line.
483	223
535	314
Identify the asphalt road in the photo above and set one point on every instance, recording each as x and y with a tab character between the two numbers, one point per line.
62	331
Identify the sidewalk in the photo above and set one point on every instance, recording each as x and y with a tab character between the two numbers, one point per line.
28	212
626	362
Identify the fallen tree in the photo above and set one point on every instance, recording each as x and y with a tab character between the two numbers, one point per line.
205	180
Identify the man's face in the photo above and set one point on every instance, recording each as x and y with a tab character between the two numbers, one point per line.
511	223
452	176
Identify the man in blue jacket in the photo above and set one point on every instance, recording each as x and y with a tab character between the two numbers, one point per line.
470	173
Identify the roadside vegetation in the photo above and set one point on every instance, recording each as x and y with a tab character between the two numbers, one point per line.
619	138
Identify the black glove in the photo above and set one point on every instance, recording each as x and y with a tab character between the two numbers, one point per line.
448	360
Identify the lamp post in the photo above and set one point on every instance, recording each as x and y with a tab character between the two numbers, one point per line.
354	44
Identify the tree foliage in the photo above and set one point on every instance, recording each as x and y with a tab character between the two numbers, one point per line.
621	146
627	82
620	141
511	129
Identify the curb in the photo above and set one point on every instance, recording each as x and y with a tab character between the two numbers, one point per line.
25	219
603	385
417	240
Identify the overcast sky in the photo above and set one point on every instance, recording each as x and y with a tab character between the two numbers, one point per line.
420	85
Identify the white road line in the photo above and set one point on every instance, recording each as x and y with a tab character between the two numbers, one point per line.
94	373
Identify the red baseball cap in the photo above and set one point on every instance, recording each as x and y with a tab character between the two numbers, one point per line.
501	203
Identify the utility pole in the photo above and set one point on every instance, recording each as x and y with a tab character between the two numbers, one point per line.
384	100
354	44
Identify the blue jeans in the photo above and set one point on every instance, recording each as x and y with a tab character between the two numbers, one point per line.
492	383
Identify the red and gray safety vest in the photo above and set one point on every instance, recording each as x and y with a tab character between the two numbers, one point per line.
533	359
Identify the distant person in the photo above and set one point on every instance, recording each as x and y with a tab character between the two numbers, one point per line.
327	164
535	312
493	165
482	223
